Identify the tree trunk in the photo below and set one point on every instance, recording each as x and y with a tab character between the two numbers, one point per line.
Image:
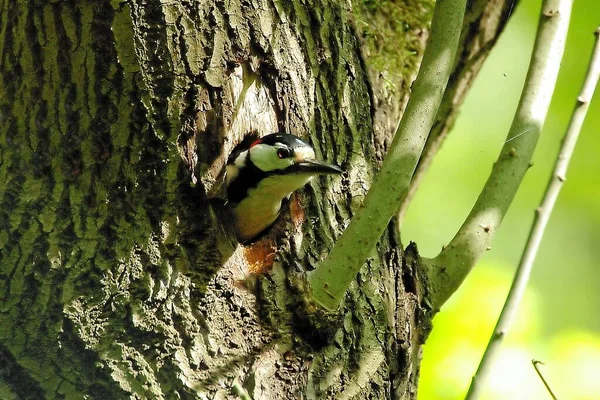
119	276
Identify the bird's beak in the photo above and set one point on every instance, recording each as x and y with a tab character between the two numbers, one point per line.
318	167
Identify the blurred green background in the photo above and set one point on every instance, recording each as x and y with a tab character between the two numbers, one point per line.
559	320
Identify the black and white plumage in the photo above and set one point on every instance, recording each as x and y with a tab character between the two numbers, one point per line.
262	173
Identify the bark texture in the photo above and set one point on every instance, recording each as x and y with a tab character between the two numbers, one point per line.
119	277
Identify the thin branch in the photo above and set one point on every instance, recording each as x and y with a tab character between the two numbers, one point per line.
330	280
447	271
542	215
466	69
433	145
535	366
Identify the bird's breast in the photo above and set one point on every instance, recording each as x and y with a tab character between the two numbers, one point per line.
260	209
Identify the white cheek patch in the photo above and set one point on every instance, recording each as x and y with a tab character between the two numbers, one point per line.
240	161
234	170
265	158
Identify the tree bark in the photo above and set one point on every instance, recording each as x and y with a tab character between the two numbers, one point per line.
119	276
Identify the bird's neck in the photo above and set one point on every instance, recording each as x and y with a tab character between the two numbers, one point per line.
261	207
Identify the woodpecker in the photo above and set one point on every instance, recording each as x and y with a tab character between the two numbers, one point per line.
262	172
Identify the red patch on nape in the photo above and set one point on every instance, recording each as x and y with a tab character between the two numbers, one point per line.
255	143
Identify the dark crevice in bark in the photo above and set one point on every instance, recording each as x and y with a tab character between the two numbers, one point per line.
17	377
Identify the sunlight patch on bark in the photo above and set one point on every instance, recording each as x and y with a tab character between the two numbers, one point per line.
254	107
369	364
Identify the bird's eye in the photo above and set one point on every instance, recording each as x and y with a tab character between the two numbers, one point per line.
283	153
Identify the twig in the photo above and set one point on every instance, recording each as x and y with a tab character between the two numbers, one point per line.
470	59
448	270
330	280
542	215
535	366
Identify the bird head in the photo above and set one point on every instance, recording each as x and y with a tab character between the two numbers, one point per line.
262	172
